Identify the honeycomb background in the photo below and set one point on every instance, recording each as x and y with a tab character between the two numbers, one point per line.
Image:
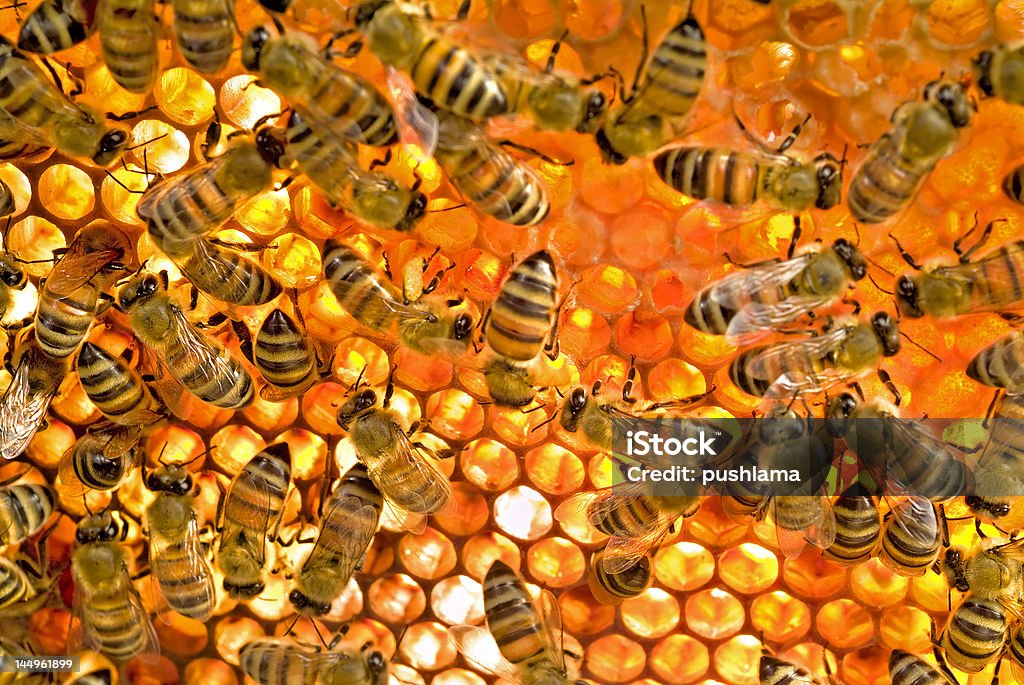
637	252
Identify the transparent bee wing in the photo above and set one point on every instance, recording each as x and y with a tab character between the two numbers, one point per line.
239	517
195	568
477	646
575	510
550	617
71	485
400	485
734	290
418	127
401	519
77	267
820	532
917	518
795	360
622	553
908	435
755	321
177	188
359	522
123	441
199	353
22	410
1013	549
208	262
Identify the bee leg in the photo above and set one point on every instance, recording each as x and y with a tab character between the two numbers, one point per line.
129	115
351	51
751	265
53	73
886	379
213	133
794	134
116	180
534	153
383	161
645	49
906	255
553	55
244	336
463	12
105	302
627	387
797	230
965	257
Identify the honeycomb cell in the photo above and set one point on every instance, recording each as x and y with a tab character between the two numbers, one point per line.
458	600
426	646
556	562
397	598
209	672
714	613
231	447
457	676
876	585
584	615
684	566
120	191
480	551
523	513
780	617
272	417
293	258
168	150
583	333
428	555
653	614
957	24
647	336
680	659
185	96
615	659
811	576
906	628
736	659
865	666
930	592
182	636
845	624
748	568
554	469
232	633
244	103
489	465
66	191
34	239
466	513
607	288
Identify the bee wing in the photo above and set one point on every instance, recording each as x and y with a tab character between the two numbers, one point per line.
799	377
402	519
179	185
820	533
123	440
360	523
1000	282
415	458
196	566
236	532
71	485
13	129
576	509
198	352
478	647
418	127
734	290
216	267
77	267
21	412
917	518
754	321
546	607
622	553
1013	549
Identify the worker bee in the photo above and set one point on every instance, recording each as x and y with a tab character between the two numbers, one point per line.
911	533
248	515
975	634
343	103
99	460
180	210
275	661
801	519
227	275
283	354
331	165
858	529
999	365
614	588
444	73
653	113
201	365
998	72
205	31
999	473
993	570
110	613
746	305
488	176
24	509
527	632
897	164
36	379
348	521
117	390
176	558
399	468
907	669
370	298
73	294
36	115
790	369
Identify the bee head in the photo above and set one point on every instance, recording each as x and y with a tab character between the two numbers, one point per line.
253	45
272	143
100	528
175	480
361	402
304	605
829	173
112	146
593	114
608	152
462	327
573	408
980	505
366	10
983	71
907	297
414	212
888	333
377	665
11	274
852	257
137	290
951	97
247	590
839	410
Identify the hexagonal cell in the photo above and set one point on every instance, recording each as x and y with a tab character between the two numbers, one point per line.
748	568
736	659
523	513
876	585
845	624
684	566
680	659
556	562
653	614
714	613
457	600
812	576
397	598
615	659
781	617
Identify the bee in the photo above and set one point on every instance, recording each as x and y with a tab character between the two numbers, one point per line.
999	365
517	325
746	305
110	612
907	669
283	355
248	515
911	533
397	466
975	634
117	390
329	162
902	454
858	529
527	632
73	294
789	369
897	164
444	73
1015	650
183	209
348	521
370	298
36	378
100	460
493	180
21	595
998	72
176	558
274	661
660	99
36	115
999	473
56	25
614	588
993	570
24	509
343	103
227	275
205	31
201	365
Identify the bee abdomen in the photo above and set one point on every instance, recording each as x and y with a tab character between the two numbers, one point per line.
111	385
115	624
976	634
63	321
205	33
187	592
232	389
129	42
453	80
270	664
359	289
521	316
52	27
13	584
228	276
858	527
676	71
725	176
883	184
24	508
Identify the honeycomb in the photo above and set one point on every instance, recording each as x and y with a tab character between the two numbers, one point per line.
635	253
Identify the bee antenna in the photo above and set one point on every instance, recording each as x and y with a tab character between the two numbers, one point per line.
85	503
316	629
558	391
921	347
546	421
359	379
873	281
540	405
144	144
291	626
278	24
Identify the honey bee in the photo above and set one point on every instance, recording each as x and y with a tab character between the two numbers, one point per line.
1000	364
36	379
110	613
493	180
283	355
248	515
446	74
187	207
652	114
343	103
94	462
976	634
614	588
56	25
274	661
73	294
527	632
202	366
858	529
176	558
399	468
907	669
117	390
998	72
331	165
370	298
227	275
36	115
911	533
205	31
999	473
348	521
992	570
897	164
24	509
791	369
21	595
746	305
